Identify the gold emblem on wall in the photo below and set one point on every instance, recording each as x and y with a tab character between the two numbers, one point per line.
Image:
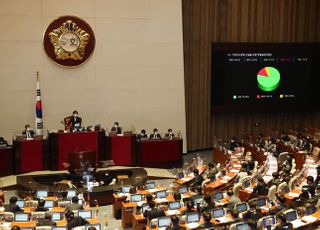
69	41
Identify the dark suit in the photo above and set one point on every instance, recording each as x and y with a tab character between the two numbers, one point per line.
169	135
154	213
12	208
29	133
155	136
75	122
77	221
118	129
142	136
198	181
260	190
41	209
206	225
286	226
74	206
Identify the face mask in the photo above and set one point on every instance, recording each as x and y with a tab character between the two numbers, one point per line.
28	129
75	115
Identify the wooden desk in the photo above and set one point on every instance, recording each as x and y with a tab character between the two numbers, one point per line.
127	214
121	149
189	179
139	222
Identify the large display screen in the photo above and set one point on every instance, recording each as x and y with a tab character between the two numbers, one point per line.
265	77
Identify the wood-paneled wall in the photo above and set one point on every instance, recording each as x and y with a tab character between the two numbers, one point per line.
207	21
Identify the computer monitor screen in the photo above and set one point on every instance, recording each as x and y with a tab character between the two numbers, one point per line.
292	215
96	226
161	194
85	214
80	202
180	175
164	222
48	204
246	183
310	210
174	205
244	226
197	200
42	194
242	207
20	203
219	212
193	217
269	221
21	217
125	189
286	189
26	228
261	202
56	216
183	190
218	196
59	228
136	198
145	207
150	185
71	193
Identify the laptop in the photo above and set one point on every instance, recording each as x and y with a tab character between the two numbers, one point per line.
286	189
125	189
96	226
161	194
136	198
174	205
48	204
261	202
242	226
242	207
269	221
183	190
85	214
164	222
246	184
145	207
59	228
291	215
180	175
193	217
150	185
21	217
71	193
218	196
310	210
42	194
20	203
56	216
219	212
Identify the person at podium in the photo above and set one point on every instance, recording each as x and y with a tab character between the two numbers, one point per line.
169	134
75	121
116	128
28	132
142	135
155	135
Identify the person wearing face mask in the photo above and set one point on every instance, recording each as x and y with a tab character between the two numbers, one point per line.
116	128
75	121
28	132
155	134
142	135
169	134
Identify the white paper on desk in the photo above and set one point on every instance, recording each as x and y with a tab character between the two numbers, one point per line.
267	178
192	225
226	178
234	170
309	219
223	181
223	219
237	166
249	189
153	190
293	194
186	179
172	212
123	194
161	200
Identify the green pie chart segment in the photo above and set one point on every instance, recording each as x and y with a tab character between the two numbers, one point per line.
268	79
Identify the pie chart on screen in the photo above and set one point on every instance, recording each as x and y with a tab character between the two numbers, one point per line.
268	78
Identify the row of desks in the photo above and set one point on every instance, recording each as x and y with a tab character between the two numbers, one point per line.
36	155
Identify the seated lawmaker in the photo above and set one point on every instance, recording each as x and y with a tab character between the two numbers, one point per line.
116	128
261	187
75	121
207	221
198	179
40	207
74	221
46	221
12	206
233	144
155	135
3	142
282	223
142	135
169	134
28	132
175	224
154	212
74	205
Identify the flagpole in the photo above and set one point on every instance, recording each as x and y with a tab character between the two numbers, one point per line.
38	118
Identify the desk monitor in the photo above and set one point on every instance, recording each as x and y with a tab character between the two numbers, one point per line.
59	228
125	189
218	212
246	183
183	190
164	222
27	228
71	193
20	203
21	217
56	216
48	204
150	185
286	189
180	175
261	202
291	215
136	198
242	226
85	214
310	210
42	194
218	196
193	217
242	207
96	226
197	200
269	221
145	207
161	194
174	205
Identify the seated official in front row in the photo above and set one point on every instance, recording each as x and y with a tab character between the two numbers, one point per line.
169	134
142	135
155	135
28	132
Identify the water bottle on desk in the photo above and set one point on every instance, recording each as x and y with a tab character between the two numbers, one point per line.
105	219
